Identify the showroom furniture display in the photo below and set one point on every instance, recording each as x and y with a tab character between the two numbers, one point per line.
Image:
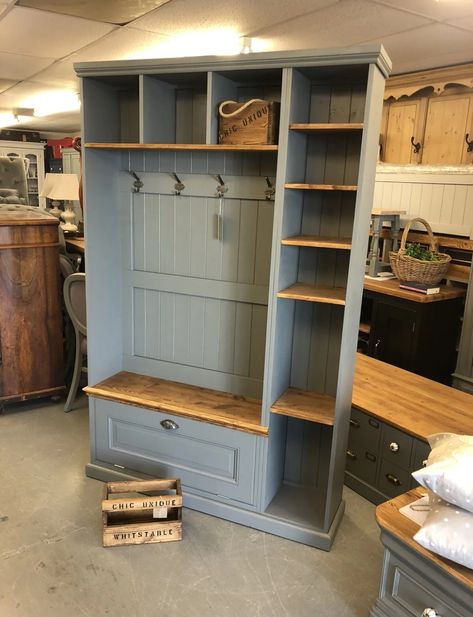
31	355
411	330
394	412
34	152
414	580
224	282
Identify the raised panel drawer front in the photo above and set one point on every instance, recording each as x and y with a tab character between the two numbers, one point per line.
205	457
414	597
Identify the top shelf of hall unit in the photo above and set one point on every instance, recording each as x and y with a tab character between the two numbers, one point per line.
180	147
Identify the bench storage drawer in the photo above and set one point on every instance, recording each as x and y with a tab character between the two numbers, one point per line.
206	457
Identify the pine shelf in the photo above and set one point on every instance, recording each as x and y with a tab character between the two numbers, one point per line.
364	328
212	406
306	405
178	147
321	187
318	242
314	293
327	127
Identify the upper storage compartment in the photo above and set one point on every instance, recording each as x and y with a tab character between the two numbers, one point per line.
111	109
174	108
240	86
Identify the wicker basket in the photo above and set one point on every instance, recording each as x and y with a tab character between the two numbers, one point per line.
408	268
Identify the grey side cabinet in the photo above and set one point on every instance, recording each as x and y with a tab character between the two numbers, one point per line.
381	458
252	296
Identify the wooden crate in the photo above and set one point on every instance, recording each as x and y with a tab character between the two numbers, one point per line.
255	122
142	512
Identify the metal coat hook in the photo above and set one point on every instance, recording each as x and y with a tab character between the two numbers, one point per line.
270	191
179	186
221	188
470	143
137	184
416	146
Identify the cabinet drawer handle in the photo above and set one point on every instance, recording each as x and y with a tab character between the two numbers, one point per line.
170	425
354	423
373	423
394	446
370	457
351	455
393	479
430	612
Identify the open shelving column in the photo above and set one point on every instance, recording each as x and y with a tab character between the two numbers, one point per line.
321	213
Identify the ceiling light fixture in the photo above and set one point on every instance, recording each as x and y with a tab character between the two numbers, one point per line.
246	45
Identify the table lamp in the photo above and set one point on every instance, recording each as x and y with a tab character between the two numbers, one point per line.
64	187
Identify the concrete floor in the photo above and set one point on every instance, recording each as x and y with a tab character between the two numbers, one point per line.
52	563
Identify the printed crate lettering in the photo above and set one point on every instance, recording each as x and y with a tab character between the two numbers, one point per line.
142	512
255	122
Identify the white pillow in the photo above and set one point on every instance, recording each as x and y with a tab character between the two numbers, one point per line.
448	531
449	470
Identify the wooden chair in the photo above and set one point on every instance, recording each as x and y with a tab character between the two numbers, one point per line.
74	299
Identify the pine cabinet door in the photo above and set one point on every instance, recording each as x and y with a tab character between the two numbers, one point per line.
405	119
449	119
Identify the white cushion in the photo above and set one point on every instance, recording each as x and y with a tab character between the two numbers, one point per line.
449	469
448	531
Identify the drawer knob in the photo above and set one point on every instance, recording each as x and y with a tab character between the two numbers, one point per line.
393	479
394	446
430	612
170	425
351	454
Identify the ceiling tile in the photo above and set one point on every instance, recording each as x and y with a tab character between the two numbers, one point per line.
19	95
16	66
122	44
6	83
341	25
111	11
441	10
47	35
465	23
430	46
243	16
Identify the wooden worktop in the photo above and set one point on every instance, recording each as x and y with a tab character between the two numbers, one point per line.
412	403
391	520
390	287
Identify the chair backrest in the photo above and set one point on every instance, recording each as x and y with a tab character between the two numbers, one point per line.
66	266
74	298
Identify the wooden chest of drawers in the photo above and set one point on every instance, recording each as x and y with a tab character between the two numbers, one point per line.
31	352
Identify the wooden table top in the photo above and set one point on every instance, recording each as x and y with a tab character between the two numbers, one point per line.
391	520
76	244
414	404
390	287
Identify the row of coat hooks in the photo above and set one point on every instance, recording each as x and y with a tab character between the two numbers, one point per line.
221	189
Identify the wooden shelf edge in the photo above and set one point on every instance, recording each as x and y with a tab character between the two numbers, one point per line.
326	127
321	187
203	147
157	395
306	405
312	293
318	242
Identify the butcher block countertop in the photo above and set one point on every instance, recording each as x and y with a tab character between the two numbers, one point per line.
412	403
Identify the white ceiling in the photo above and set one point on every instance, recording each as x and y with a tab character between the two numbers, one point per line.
38	47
